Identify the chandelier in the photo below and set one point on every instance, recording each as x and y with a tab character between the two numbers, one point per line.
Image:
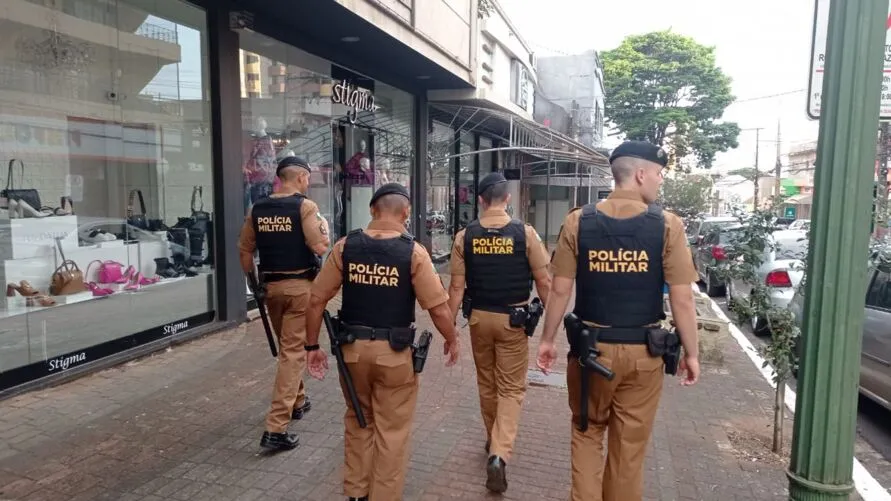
55	51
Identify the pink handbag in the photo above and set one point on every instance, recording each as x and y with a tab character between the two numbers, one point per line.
110	272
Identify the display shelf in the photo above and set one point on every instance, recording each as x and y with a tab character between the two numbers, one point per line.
36	236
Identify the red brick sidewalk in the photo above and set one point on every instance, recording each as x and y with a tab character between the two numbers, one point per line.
185	425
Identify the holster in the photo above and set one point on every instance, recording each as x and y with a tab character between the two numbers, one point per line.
402	338
466	306
666	344
517	316
533	316
419	351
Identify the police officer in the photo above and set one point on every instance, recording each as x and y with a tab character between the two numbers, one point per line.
497	258
382	270
618	253
289	233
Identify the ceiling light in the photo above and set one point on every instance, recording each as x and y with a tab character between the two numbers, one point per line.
349	39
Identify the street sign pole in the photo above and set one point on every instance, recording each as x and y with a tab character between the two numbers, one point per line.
826	408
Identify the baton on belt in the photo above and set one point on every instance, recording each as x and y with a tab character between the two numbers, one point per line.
260	297
343	369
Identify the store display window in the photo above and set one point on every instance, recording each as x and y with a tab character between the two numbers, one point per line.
106	211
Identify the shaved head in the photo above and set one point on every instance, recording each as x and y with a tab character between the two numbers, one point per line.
624	168
391	204
292	173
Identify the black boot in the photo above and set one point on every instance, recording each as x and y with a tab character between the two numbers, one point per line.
298	413
279	441
363	498
496	475
163	268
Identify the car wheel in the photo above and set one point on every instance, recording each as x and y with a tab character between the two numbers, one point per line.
712	290
759	326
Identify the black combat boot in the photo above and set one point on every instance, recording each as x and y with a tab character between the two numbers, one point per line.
298	413
496	475
279	441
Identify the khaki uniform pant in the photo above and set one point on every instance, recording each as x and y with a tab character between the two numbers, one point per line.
627	406
501	355
387	387
286	302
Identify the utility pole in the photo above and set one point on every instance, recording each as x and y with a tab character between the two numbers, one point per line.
821	467
778	172
757	172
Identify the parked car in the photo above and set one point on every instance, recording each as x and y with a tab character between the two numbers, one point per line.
710	253
781	271
800	224
783	223
699	228
875	354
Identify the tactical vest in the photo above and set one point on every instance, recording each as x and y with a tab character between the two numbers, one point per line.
377	288
496	264
279	233
619	276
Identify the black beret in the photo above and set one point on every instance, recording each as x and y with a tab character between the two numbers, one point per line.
389	189
640	149
292	161
489	181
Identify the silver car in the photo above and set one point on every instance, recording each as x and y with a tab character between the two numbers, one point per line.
781	271
875	355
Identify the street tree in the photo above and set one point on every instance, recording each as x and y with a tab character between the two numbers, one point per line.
484	9
745	253
687	195
666	88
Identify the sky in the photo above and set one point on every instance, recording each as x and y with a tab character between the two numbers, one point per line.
763	45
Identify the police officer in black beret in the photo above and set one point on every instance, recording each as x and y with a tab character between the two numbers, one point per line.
496	258
383	271
290	235
620	253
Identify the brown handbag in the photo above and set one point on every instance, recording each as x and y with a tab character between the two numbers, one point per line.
67	279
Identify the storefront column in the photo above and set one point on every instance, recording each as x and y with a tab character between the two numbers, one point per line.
229	188
419	174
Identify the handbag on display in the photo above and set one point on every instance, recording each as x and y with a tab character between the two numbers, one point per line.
27	195
67	279
110	272
194	230
137	220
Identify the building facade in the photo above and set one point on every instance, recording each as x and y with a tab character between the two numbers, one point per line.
137	135
575	83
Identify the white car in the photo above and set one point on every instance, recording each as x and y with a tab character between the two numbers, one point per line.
800	224
781	271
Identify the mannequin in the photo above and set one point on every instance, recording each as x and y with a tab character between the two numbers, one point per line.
358	168
259	165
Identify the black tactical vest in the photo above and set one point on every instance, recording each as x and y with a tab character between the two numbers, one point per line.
279	233
496	264
619	276
377	289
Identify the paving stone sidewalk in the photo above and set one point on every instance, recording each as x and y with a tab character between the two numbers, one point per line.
185	424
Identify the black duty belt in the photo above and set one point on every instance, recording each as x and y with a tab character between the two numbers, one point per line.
375	333
622	335
278	277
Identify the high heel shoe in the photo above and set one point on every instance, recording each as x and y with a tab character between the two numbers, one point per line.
25	210
99	291
41	300
23	288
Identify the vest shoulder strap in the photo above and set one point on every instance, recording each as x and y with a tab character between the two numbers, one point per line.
654	210
355	232
589	210
408	237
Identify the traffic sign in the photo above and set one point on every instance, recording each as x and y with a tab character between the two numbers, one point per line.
789	212
818	60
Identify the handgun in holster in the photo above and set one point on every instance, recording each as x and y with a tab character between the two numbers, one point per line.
466	305
534	313
420	350
583	346
666	344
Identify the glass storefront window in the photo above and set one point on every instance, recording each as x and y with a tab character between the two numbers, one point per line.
466	186
441	165
355	132
106	222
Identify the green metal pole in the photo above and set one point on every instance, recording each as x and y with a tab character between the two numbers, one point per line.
826	408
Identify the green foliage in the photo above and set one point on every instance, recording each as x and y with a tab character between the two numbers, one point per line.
687	196
484	9
665	88
745	254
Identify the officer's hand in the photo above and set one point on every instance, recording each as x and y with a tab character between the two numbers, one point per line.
689	370
317	363
547	355
451	349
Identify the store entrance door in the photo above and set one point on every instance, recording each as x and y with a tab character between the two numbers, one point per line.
355	152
